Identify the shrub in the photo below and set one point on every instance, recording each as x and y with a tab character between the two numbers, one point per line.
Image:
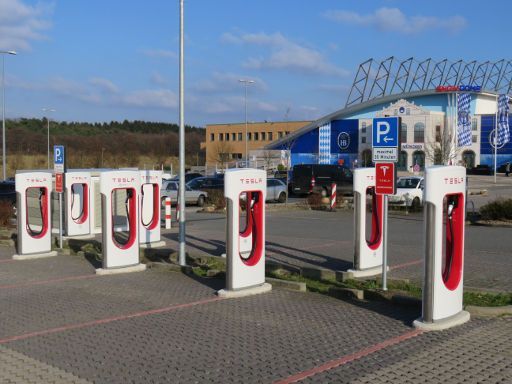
315	200
216	197
499	209
6	213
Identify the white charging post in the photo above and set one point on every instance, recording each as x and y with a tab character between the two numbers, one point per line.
120	202
367	251
34	238
78	204
245	239
150	209
445	197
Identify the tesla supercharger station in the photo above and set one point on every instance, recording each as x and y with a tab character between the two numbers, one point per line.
33	191
149	223
445	188
120	201
245	238
78	204
367	250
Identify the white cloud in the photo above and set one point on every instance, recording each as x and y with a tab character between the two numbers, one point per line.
158	79
159	53
285	54
20	24
153	98
394	20
104	85
227	82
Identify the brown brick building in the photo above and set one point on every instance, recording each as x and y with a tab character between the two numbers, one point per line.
225	142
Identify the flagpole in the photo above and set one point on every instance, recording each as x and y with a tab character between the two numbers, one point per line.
496	138
455	106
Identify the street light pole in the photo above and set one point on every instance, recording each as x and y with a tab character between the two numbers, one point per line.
181	186
48	131
4	160
246	82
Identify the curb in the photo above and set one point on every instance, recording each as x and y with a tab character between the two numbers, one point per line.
169	267
489	311
344	293
286	284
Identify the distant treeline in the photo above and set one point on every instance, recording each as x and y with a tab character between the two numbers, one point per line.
124	141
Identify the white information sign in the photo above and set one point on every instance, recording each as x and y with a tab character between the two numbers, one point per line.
385	154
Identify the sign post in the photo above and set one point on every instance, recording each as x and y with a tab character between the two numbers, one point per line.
59	169
385	144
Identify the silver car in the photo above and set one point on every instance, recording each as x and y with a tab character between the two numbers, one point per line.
276	190
170	189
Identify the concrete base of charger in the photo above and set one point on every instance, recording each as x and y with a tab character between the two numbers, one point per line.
438	325
115	271
34	256
229	294
156	244
355	273
80	237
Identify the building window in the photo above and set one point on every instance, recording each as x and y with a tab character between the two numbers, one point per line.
240	136
221	136
249	136
287	133
438	133
227	136
256	136
474	138
474	124
263	136
280	135
270	136
363	139
233	136
403	133
212	136
363	127
419	132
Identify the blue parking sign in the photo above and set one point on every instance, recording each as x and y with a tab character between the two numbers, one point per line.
58	154
385	132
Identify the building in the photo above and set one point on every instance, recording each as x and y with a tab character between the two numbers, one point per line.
226	144
425	100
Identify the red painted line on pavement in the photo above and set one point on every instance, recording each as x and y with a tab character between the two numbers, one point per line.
398	266
42	282
106	320
348	358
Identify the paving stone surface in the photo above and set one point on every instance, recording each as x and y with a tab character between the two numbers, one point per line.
64	324
477	352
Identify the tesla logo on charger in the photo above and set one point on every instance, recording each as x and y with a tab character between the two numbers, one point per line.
251	181
123	179
454	180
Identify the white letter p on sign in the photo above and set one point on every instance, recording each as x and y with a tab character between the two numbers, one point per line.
383	129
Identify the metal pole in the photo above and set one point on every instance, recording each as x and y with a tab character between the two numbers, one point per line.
385	245
181	195
495	141
60	220
3	120
246	134
48	132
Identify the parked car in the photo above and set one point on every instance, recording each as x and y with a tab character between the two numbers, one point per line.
481	169
409	192
276	190
8	191
318	178
202	183
188	177
170	189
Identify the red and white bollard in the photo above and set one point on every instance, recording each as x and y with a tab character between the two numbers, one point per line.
333	196
168	216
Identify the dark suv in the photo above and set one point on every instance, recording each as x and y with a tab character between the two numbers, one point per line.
318	178
8	192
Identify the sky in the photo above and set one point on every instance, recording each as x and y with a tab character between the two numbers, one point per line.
104	60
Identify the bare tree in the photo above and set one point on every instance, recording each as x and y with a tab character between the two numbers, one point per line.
440	150
221	153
